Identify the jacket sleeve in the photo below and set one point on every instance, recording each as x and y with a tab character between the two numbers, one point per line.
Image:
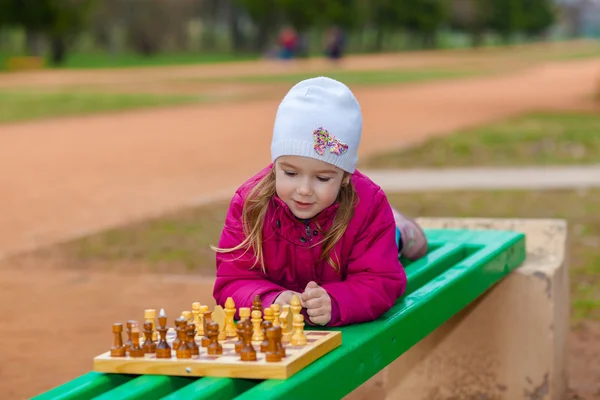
375	279
236	276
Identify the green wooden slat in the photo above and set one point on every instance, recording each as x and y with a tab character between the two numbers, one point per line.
85	386
368	348
213	389
146	387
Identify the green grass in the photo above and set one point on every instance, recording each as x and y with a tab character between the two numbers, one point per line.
368	77
536	139
128	60
180	242
24	105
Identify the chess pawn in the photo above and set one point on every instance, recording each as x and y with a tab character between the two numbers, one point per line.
196	314
191	338
247	353
118	348
266	325
149	345
239	329
163	350
187	315
256	320
129	325
230	313
276	313
135	350
273	351
269	314
207	319
298	338
244	313
214	347
257	304
150	316
183	349
295	305
201	312
179	323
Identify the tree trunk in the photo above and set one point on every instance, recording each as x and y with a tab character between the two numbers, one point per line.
34	43
237	42
58	50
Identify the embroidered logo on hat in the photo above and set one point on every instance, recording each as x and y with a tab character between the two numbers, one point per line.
323	139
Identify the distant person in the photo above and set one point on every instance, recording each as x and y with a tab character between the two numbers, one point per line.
309	224
288	40
334	43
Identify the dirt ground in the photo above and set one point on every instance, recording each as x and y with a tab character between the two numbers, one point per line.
63	178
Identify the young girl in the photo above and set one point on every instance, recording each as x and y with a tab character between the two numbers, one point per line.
310	224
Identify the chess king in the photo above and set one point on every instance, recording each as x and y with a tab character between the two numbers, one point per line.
310	224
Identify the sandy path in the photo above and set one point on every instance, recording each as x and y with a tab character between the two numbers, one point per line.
62	178
65	177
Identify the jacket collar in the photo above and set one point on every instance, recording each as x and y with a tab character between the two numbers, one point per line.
323	218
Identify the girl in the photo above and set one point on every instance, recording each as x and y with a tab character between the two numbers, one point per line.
310	224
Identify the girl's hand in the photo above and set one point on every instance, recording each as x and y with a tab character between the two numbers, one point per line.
317	302
285	297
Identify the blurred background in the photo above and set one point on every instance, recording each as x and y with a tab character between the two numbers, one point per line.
79	33
126	125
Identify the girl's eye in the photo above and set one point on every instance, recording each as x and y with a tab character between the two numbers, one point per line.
289	173
321	179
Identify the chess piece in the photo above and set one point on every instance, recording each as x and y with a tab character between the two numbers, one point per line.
179	323
256	320
247	353
201	312
118	348
207	319
218	316
150	316
183	349
239	329
286	320
129	325
187	315
229	314
268	314
191	338
214	347
276	313
257	304
135	350
265	326
149	344
244	313
196	315
273	351
298	338
295	305
163	350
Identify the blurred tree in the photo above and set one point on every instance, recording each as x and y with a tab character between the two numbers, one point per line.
471	17
538	16
264	14
506	17
423	20
386	16
55	20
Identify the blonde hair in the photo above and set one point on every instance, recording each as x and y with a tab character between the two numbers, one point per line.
255	209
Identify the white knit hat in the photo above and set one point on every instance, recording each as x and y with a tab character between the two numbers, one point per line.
319	118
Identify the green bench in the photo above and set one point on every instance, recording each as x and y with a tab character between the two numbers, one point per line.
460	266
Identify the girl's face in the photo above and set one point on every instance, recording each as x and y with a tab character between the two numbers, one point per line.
306	185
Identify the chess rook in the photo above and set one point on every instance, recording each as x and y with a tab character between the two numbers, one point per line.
118	348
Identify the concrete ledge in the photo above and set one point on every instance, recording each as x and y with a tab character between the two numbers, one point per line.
509	344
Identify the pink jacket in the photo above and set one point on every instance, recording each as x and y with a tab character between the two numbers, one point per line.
371	277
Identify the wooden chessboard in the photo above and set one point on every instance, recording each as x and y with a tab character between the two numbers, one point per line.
227	364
